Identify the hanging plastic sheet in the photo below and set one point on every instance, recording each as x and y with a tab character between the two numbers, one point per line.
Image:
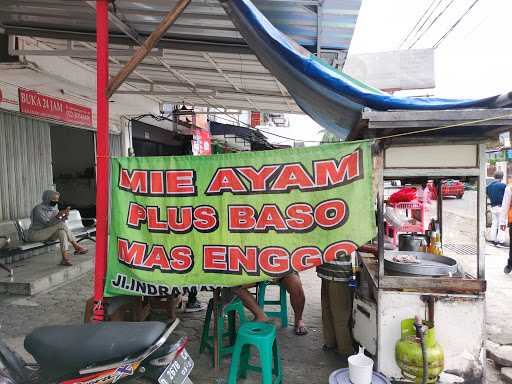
330	97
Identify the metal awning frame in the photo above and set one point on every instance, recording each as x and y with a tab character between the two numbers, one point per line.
199	79
203	53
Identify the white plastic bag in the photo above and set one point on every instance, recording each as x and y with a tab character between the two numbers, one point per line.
393	219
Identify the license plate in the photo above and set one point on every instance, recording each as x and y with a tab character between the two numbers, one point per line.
178	370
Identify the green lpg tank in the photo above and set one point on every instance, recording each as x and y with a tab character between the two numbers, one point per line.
409	357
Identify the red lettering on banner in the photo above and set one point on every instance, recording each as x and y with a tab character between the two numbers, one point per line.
180	182
136	182
238	259
179	260
258	179
225	180
179	219
131	254
182	259
343	248
300	217
274	260
293	176
214	258
241	218
306	257
331	213
154	224
177	182
270	218
156	186
205	218
157	259
333	173
268	179
136	215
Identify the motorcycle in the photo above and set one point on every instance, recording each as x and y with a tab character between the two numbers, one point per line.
102	353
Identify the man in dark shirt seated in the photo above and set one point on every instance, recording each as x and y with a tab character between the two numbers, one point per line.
495	191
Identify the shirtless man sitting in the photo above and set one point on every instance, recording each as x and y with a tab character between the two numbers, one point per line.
293	286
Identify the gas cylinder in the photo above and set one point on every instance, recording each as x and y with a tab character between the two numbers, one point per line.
409	356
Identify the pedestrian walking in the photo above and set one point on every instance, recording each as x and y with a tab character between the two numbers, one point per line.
495	192
506	219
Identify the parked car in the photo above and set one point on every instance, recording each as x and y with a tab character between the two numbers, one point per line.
450	187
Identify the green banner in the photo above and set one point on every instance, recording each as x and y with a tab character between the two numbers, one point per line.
233	219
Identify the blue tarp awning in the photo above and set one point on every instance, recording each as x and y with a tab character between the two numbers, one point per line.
330	97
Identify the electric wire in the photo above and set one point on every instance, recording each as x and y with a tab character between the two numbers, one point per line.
234	119
431	24
466	123
245	125
455	24
428	18
417	23
274	134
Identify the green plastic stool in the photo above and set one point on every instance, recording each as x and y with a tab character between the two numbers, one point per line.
230	310
282	314
263	337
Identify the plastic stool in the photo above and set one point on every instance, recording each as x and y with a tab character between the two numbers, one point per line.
282	314
231	309
263	337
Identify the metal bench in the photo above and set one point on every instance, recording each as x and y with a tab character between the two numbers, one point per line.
75	224
13	243
13	239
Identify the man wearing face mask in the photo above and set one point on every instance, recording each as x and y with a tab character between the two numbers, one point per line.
48	223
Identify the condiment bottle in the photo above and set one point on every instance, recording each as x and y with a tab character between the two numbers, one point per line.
432	247
439	247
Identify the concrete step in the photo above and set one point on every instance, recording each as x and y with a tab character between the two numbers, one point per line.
17	257
506	375
42	273
500	354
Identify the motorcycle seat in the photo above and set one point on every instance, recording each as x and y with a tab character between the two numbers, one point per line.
65	348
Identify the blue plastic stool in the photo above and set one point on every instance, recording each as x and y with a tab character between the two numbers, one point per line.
282	314
263	337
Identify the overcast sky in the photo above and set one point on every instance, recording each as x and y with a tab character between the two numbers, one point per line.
474	60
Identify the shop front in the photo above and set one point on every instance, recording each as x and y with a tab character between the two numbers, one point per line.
151	140
47	143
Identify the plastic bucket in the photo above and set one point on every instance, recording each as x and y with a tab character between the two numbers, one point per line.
360	368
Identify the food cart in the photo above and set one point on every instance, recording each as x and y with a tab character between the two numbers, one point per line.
454	302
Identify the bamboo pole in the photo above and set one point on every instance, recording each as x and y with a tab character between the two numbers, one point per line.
146	47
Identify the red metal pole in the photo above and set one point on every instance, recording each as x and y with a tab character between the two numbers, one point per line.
102	156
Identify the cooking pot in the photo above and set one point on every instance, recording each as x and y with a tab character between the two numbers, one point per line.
412	242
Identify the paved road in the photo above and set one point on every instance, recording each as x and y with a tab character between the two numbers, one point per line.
461	215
